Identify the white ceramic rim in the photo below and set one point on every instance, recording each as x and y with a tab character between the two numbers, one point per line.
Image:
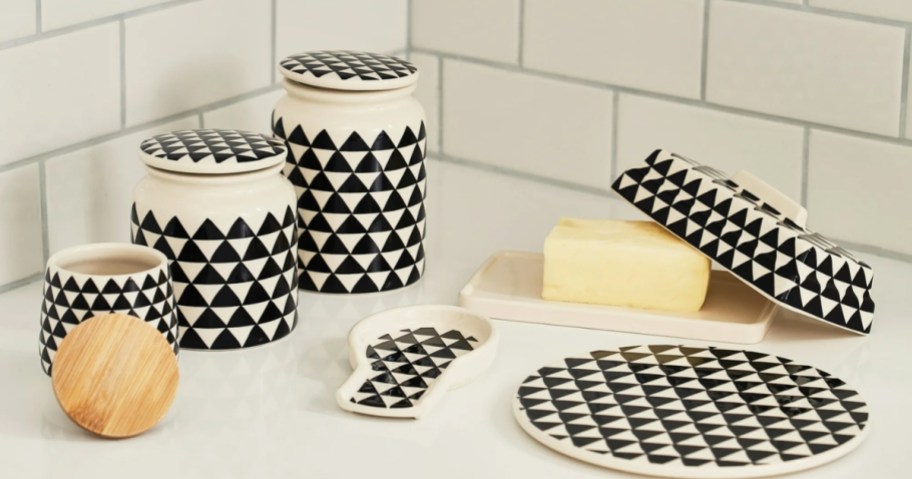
219	178
98	251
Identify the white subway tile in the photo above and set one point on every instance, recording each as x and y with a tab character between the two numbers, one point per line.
892	9
807	66
60	13
17	18
476	28
253	114
370	25
20	221
428	93
729	142
58	91
526	123
190	55
89	191
858	190
646	44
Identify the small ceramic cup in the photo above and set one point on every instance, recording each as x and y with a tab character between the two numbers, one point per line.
84	281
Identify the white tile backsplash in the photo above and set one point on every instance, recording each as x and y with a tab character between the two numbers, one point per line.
17	18
178	58
84	202
372	25
892	9
476	28
530	87
527	124
428	93
812	67
253	114
61	13
729	142
651	45
57	91
858	190
20	222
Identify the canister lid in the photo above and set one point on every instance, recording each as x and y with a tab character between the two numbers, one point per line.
757	234
348	70
212	151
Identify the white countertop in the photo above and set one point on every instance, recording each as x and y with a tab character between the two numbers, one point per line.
270	411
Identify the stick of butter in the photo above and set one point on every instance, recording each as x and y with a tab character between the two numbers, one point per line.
634	264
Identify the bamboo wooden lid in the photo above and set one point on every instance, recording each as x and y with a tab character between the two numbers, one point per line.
115	375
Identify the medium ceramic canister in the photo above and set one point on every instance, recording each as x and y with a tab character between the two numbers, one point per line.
356	141
216	204
94	279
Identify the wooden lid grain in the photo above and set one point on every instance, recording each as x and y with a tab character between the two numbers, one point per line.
115	375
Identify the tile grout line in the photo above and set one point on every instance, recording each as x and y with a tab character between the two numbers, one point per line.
138	127
409	12
478	165
21	282
440	61
46	34
704	61
522	33
807	8
615	108
123	73
42	198
38	25
805	162
273	20
671	99
904	92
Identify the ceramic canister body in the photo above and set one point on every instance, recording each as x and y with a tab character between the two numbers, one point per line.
231	242
356	159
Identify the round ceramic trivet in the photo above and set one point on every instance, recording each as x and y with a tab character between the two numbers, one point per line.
348	70
115	375
682	412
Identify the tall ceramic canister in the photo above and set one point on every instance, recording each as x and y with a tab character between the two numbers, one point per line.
216	204
356	141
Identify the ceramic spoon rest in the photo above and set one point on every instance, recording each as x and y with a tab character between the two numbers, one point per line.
406	358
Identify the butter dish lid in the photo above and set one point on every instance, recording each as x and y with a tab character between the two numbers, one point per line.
348	70
209	151
757	234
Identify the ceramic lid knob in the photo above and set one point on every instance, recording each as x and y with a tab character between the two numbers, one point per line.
348	70
115	375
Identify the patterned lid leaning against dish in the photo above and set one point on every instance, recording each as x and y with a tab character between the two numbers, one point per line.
348	70
757	234
212	151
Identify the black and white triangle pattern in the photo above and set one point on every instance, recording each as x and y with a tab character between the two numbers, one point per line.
71	299
673	406
360	207
218	146
347	65
794	266
234	282
407	365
